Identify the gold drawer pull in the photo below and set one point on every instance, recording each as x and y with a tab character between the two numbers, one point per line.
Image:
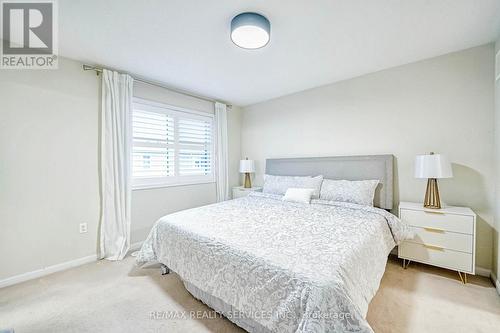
434	229
434	212
434	247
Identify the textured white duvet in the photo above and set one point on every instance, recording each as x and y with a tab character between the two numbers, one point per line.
291	267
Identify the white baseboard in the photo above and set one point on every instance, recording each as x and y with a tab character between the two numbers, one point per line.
481	271
495	281
46	271
55	268
135	246
489	274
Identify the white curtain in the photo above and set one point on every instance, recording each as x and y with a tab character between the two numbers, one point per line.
222	176
116	190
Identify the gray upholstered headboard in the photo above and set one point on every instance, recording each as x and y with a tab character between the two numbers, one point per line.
342	167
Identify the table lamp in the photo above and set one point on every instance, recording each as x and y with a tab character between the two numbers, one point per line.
432	167
247	166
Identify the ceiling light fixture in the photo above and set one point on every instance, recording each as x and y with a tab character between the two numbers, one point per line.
250	30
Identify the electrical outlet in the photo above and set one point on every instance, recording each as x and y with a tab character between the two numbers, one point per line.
83	228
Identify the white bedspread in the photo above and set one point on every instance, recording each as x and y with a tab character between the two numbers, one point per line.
291	267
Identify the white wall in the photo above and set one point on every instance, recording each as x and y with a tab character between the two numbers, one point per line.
48	166
49	121
443	105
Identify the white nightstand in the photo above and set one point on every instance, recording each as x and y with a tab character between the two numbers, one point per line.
240	191
443	237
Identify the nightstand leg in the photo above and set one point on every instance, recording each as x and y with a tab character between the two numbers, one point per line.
463	277
406	263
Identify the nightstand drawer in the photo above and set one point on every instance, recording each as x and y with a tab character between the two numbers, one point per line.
445	239
445	221
436	256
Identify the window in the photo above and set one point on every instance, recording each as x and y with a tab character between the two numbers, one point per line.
171	146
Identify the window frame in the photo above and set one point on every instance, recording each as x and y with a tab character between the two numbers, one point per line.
175	112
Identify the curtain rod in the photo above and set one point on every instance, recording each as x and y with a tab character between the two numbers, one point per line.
156	84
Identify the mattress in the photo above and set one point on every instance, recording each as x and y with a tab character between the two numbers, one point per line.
283	267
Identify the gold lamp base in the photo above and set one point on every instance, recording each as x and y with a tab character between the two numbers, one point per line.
432	199
248	182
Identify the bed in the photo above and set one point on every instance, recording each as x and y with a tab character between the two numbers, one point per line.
275	266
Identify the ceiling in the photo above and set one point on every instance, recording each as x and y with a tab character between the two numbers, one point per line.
186	44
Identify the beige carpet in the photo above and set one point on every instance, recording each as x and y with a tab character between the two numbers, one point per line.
117	297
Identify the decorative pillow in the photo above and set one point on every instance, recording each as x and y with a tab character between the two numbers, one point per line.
359	192
279	184
302	195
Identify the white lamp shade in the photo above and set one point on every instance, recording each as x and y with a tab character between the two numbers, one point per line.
247	166
432	166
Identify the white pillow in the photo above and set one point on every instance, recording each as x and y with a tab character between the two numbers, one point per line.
279	184
302	195
359	192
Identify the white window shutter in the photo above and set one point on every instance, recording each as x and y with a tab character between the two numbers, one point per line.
171	146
